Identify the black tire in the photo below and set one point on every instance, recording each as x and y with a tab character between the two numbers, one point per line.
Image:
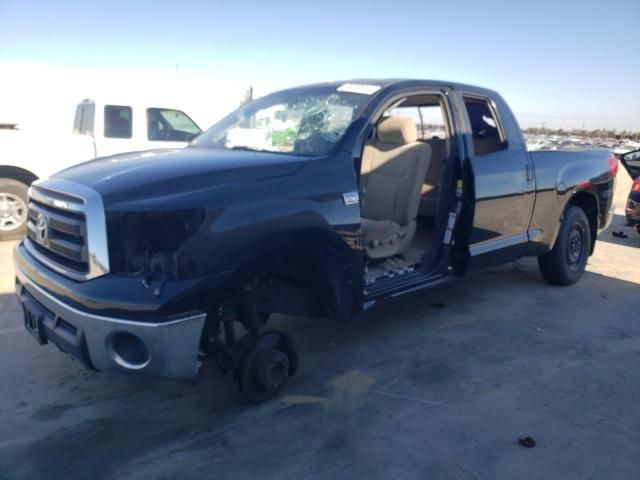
565	263
13	209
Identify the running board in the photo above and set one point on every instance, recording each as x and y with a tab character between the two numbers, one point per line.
399	285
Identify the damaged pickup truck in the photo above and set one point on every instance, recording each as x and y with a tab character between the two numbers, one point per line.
318	201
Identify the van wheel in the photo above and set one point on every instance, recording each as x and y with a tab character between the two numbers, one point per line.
565	263
13	209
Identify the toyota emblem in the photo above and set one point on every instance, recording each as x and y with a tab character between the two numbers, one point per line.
41	228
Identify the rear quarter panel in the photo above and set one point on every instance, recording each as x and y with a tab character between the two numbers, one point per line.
559	176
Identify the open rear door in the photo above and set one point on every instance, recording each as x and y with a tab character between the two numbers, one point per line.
631	162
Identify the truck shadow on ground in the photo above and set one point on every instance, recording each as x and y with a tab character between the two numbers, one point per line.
410	345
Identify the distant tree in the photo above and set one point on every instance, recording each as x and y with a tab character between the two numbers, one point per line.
580	132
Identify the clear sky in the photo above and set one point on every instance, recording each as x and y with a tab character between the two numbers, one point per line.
567	63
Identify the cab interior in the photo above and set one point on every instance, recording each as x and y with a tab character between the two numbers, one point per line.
400	185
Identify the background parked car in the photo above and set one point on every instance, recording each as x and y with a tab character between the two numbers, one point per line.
631	162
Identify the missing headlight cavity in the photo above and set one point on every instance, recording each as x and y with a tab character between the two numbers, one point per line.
141	243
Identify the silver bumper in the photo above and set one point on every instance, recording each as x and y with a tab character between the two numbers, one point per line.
168	348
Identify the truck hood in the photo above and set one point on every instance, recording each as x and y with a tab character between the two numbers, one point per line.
142	176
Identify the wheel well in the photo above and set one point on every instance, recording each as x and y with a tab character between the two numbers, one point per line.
589	205
299	275
319	269
17	173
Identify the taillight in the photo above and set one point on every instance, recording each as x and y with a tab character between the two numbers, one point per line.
613	165
635	186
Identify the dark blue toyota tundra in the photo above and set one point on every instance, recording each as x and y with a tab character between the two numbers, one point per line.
321	200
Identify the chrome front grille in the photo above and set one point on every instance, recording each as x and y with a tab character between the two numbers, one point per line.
60	234
66	229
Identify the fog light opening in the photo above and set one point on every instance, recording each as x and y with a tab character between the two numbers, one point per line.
129	351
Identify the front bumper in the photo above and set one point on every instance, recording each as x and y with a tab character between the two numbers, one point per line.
166	347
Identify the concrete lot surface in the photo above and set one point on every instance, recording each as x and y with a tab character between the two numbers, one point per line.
439	384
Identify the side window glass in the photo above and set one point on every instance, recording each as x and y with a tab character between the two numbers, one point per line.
156	127
432	122
428	117
169	125
117	121
164	124
484	127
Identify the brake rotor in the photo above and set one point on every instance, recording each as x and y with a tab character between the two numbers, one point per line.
266	365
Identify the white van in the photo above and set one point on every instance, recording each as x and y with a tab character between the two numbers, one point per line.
99	129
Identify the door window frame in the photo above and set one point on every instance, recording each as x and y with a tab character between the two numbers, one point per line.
494	111
448	117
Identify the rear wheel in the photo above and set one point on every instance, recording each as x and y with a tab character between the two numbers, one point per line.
13	209
566	262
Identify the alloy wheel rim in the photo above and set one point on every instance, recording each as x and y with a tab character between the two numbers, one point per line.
13	212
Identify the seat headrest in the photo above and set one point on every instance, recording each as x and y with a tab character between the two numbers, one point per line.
400	130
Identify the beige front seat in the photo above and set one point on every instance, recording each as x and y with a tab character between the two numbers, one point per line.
393	169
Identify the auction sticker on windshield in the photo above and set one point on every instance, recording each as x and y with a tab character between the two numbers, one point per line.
362	88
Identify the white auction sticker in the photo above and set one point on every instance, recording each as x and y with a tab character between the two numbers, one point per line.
362	88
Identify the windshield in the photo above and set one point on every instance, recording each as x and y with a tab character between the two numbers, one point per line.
306	121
